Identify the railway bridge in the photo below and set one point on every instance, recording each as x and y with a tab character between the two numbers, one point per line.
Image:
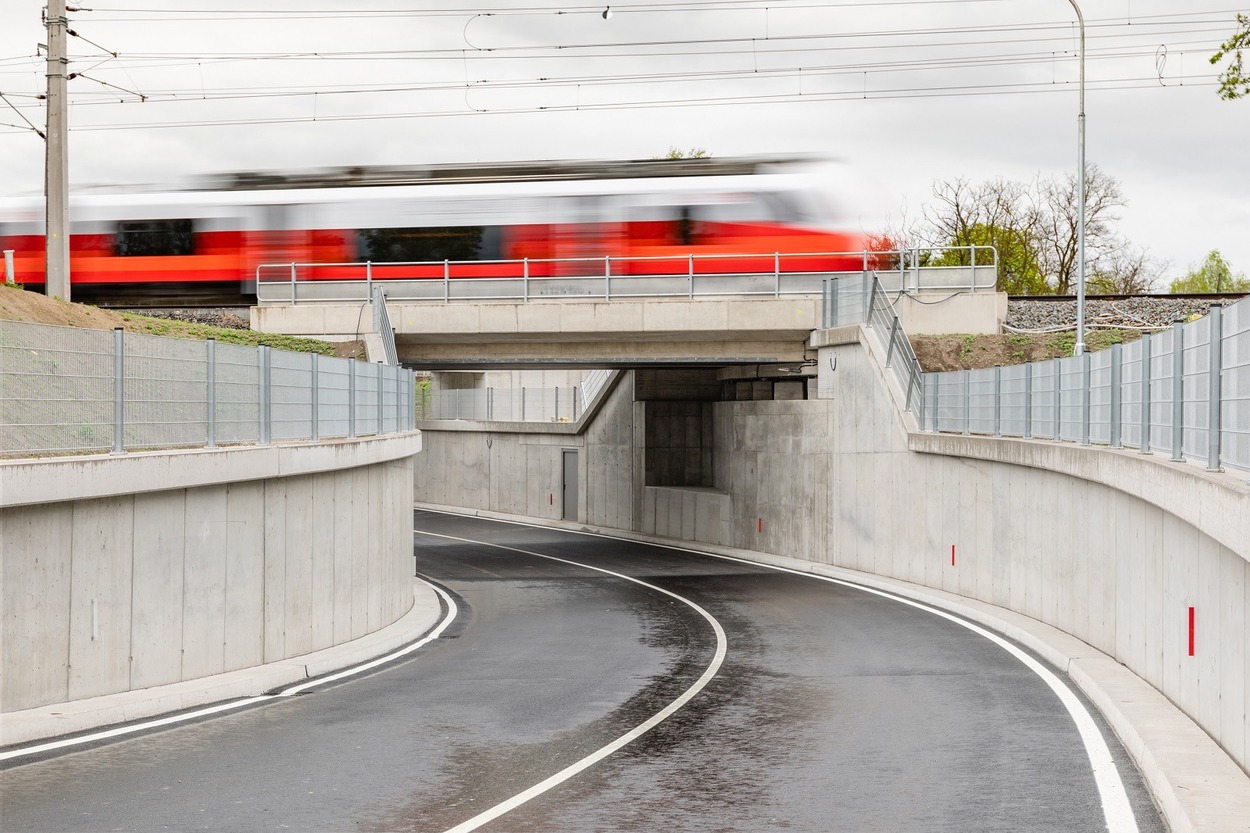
881	482
610	320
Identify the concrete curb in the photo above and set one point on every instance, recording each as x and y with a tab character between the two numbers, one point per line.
52	721
1197	785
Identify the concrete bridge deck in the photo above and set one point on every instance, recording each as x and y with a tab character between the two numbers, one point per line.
618	332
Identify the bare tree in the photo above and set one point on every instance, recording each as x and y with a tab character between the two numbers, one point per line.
1126	270
998	213
1057	231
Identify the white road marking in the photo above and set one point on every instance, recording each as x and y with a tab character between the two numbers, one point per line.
119	731
1116	808
633	734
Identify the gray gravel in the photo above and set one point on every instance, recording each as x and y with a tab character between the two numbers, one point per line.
230	319
1143	312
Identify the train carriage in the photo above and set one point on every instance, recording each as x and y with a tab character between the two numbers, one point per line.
735	216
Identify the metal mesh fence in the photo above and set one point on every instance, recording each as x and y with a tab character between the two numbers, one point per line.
56	388
237	407
69	390
1169	391
559	404
1235	387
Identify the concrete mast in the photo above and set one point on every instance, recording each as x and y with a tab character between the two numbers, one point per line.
56	176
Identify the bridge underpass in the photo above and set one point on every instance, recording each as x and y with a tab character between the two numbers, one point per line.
811	706
831	483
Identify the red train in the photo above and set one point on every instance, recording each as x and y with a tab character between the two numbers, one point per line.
562	216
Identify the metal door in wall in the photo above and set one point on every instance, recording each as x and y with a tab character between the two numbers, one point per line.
570	484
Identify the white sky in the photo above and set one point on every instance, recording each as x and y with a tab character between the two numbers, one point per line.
903	91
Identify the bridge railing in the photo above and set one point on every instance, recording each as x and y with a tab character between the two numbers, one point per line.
771	274
66	390
1184	391
526	404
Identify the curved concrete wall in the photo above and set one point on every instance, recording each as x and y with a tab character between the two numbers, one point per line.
1111	546
121	573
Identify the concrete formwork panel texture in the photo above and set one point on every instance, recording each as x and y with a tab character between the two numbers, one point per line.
1107	546
126	591
99	651
1116	570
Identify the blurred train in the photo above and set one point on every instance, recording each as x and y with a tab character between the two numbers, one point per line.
207	241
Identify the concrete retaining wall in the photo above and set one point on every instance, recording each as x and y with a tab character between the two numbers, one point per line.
130	572
1035	527
1111	546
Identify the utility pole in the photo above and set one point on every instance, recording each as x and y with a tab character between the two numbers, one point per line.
56	177
1079	347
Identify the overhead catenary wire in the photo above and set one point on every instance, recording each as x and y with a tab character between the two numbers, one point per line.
1115	49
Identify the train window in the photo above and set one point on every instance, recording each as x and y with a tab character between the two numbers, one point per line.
391	245
154	238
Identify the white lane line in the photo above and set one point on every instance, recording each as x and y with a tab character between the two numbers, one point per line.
630	736
1117	811
231	705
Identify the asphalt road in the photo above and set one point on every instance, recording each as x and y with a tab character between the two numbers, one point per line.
818	707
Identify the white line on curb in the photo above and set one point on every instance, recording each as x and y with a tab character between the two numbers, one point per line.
231	705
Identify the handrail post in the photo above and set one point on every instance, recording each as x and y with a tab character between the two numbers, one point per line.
266	395
1214	370
119	391
1058	400
1117	400
889	353
368	279
381	391
525	279
314	369
933	411
210	379
872	297
776	274
998	400
446	281
1028	401
1145	393
1178	391
972	271
967	401
1085	382
292	283
351	400
690	275
607	277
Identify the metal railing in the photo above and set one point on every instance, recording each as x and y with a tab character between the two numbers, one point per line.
382	325
559	404
70	390
770	274
1184	392
524	404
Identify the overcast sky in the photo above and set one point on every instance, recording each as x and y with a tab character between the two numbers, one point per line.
904	92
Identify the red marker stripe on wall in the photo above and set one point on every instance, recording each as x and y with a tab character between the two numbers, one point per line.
952	555
1191	631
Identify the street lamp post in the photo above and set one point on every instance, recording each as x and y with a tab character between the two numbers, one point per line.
1079	348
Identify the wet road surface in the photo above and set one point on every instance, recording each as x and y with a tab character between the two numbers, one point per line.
833	710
